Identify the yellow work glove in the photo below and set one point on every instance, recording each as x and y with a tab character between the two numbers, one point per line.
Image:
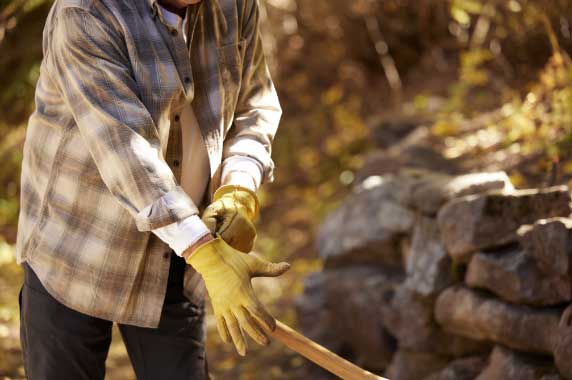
227	274
231	215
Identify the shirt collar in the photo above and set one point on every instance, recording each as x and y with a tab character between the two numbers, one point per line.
151	2
154	9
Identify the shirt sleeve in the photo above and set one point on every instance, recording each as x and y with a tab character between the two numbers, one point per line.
182	234
243	171
88	62
258	110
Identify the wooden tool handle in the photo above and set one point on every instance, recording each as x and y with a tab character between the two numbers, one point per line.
320	355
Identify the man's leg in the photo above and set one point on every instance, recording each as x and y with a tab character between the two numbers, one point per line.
176	349
58	342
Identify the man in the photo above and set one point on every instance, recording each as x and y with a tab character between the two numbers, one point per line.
148	114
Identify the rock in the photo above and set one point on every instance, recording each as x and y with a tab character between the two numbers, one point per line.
398	188
427	191
563	346
508	365
468	313
476	183
411	365
405	245
480	222
552	376
366	229
428	266
513	275
461	369
411	152
433	191
314	313
550	242
389	132
357	297
344	310
409	318
315	320
384	163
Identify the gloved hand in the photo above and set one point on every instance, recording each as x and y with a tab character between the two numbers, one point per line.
231	215
227	274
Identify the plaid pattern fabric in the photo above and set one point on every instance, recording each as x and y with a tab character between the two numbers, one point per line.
104	141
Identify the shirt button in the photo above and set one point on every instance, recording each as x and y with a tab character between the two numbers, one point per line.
174	32
177	118
187	80
176	162
166	255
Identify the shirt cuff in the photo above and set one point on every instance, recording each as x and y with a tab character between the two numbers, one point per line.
243	171
173	206
182	234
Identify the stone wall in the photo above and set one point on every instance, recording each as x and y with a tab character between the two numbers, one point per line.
434	277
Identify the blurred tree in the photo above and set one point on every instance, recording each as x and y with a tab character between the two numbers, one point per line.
337	64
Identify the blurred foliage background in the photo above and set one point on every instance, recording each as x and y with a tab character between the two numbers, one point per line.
491	80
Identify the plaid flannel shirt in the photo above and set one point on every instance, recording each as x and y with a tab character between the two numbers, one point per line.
101	143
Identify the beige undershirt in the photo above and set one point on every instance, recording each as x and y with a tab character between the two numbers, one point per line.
195	170
195	167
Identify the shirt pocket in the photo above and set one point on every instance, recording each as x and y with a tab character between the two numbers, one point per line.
231	67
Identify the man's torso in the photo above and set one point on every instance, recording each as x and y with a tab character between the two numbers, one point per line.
83	246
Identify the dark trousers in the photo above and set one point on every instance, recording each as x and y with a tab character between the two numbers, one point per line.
59	343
